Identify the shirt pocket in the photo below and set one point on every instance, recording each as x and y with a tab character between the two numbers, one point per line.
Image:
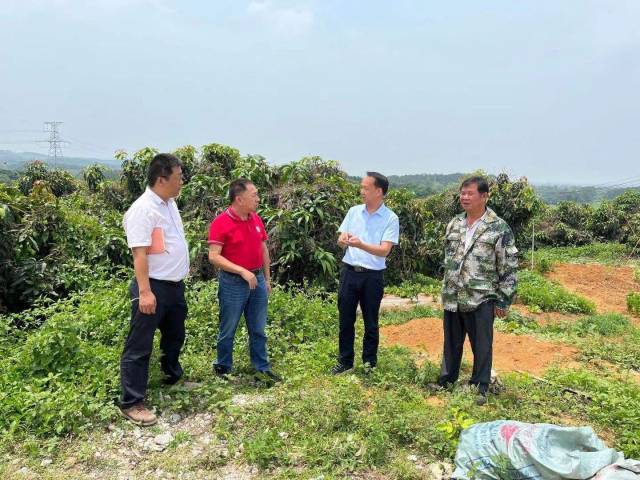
484	249
451	243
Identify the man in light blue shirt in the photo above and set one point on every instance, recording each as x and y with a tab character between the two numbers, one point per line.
368	233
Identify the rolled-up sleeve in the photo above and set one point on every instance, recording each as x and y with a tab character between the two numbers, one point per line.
138	225
392	231
507	267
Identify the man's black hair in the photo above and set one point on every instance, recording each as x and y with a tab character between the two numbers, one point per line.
380	181
237	187
481	182
162	165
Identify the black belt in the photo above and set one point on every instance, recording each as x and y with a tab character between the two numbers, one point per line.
255	272
169	282
359	269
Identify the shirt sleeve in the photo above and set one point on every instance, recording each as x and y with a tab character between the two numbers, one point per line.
392	232
263	231
507	267
217	232
344	226
138	224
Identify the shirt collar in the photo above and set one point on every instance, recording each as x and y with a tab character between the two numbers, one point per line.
380	211
229	211
155	197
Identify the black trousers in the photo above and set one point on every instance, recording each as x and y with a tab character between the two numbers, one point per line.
366	289
479	325
171	312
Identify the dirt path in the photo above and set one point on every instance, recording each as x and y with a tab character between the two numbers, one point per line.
510	352
607	286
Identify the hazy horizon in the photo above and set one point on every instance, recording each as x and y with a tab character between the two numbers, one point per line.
544	89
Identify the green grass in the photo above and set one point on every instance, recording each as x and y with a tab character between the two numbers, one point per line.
313	424
633	303
398	316
607	253
610	337
537	291
419	284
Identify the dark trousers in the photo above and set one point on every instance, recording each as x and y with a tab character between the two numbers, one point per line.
171	312
366	289
479	325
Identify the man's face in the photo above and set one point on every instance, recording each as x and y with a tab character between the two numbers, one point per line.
173	183
368	190
472	200
249	199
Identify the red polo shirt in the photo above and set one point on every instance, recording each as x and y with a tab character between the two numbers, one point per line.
241	240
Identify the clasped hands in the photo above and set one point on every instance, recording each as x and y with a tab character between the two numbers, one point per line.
348	240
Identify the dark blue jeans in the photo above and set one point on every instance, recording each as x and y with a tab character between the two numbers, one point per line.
235	298
171	312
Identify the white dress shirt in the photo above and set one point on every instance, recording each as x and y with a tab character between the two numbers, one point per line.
374	228
148	212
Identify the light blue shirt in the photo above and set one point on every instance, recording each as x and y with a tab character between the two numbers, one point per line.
374	228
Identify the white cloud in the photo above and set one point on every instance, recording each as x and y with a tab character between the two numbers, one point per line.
290	20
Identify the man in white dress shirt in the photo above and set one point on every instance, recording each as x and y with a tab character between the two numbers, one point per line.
156	237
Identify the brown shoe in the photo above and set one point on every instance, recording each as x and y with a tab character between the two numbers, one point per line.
140	415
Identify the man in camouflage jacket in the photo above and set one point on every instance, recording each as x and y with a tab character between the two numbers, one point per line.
479	283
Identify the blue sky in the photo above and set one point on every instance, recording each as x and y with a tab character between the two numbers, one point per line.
545	89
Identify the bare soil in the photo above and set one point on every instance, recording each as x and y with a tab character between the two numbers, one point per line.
510	352
607	286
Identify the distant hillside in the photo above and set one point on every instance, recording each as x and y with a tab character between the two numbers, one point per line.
426	184
553	194
16	160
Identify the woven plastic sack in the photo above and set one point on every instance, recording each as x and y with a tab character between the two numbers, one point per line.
623	470
513	450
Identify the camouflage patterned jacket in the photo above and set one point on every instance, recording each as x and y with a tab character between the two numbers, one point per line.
484	271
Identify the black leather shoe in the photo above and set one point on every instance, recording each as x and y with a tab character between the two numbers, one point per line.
221	372
339	369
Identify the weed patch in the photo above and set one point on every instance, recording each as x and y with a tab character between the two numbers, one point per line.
607	253
537	291
633	303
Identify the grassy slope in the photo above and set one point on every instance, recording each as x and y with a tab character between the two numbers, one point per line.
313	424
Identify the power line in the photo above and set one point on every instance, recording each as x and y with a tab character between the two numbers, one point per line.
54	140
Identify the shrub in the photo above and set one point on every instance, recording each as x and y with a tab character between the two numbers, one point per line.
60	182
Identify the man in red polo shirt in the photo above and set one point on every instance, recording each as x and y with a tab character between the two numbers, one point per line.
238	248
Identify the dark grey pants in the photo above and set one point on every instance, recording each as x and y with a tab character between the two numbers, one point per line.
479	325
171	312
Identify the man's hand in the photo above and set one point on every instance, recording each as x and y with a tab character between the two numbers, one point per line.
343	239
147	302
354	241
250	278
501	312
267	284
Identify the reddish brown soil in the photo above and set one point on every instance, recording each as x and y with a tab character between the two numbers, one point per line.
510	352
607	286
